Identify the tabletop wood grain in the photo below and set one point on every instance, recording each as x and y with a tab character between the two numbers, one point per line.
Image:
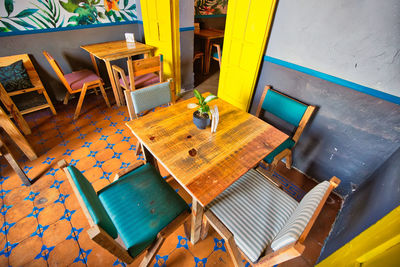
206	163
209	33
117	49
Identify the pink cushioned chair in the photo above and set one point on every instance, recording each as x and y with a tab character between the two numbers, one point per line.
77	81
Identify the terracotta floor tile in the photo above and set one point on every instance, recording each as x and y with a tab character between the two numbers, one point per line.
71	202
112	165
65	188
36	263
43	182
26	251
46	197
115	138
129	156
98	145
51	214
12	182
80	153
18	211
16	195
219	258
3	258
104	155
22	229
64	253
100	257
85	163
93	174
100	184
79	220
57	233
122	147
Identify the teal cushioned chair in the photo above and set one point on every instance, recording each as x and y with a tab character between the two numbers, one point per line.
134	214
216	53
291	111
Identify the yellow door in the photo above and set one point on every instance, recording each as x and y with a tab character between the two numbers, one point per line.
161	30
247	28
379	245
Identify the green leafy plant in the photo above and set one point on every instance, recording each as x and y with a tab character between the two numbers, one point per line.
202	105
10	22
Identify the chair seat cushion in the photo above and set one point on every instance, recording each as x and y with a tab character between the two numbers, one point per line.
15	77
143	80
76	79
140	204
254	210
288	143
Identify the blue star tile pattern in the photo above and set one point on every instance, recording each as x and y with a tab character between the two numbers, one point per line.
56	127
38	133
133	147
110	146
107	118
3	193
3	178
126	139
73	162
182	242
92	153
113	124
127	119
48	160
161	261
6	227
103	111
88	117
76	129
106	175
119	131
200	262
125	165
26	169
99	164
41	141
44	253
60	135
56	184
117	155
40	230
141	157
219	244
98	130
81	136
61	198
68	152
67	215
74	234
103	137
52	171
35	212
8	247
248	264
64	143
4	209
117	262
32	195
121	113
82	257
93	123
87	144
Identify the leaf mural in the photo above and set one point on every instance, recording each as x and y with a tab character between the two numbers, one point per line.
9	6
210	7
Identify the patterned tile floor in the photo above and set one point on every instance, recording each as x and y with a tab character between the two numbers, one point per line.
43	225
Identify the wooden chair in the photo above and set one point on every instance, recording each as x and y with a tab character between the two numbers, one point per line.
77	81
262	222
6	97
133	215
147	98
141	73
290	110
217	54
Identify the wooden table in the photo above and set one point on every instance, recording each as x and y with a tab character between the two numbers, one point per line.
207	35
205	163
112	51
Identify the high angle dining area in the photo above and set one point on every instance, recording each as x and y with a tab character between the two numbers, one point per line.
199	133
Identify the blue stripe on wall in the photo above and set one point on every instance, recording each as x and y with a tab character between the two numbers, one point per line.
210	16
2	34
333	79
185	29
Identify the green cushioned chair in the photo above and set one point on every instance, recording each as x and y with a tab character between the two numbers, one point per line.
217	54
291	111
132	215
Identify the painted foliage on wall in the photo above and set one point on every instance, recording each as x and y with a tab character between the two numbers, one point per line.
24	15
210	7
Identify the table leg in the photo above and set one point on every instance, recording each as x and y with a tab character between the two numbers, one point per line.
149	157
96	68
197	220
117	94
207	56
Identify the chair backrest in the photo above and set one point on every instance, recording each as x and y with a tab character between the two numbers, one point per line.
196	26
150	97
145	66
303	217
89	201
58	70
33	76
286	108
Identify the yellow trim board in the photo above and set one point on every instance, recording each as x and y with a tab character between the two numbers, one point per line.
375	240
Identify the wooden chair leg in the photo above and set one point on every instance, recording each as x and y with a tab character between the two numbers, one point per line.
289	161
95	91
49	102
79	106
66	98
152	251
103	92
13	163
138	148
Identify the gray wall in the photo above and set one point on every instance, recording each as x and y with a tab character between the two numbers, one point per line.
64	46
372	201
356	40
186	18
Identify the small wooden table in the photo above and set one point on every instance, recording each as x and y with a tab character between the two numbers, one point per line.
205	163
208	35
112	51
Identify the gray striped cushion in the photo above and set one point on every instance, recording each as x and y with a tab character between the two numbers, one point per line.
150	97
300	217
254	210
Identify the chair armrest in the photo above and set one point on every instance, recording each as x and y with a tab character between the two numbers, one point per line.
128	169
281	155
286	253
91	84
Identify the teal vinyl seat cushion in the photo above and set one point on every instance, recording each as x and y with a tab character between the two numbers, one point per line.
215	54
140	204
288	143
151	96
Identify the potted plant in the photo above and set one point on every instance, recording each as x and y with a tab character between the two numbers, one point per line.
201	117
